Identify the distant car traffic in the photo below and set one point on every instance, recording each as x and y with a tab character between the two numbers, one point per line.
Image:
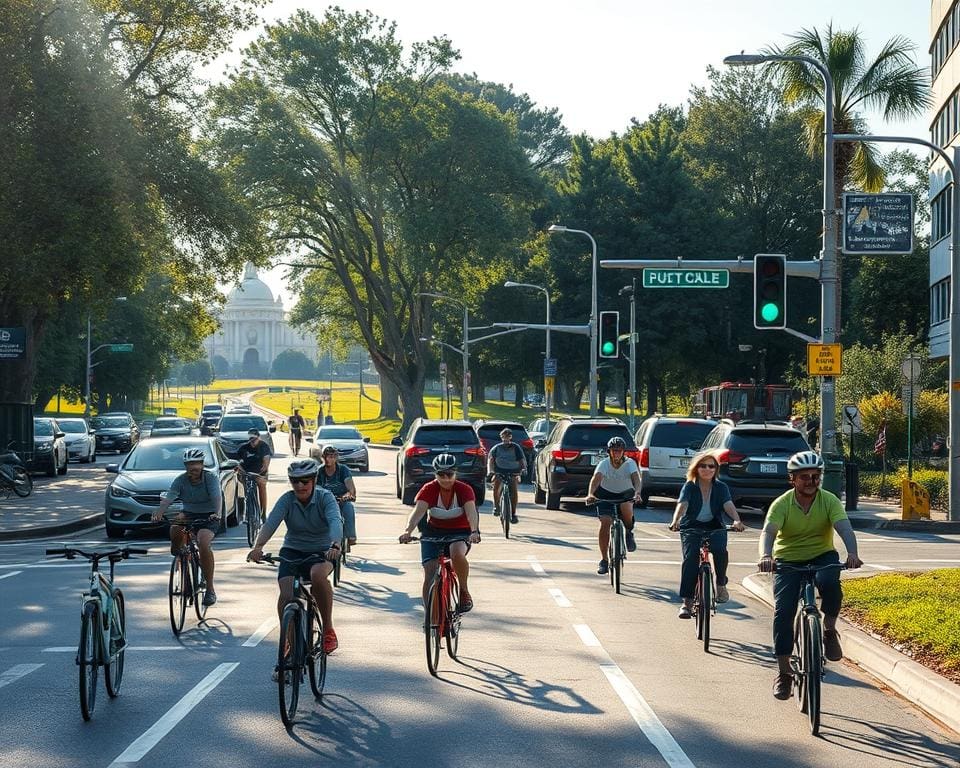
209	418
169	426
232	431
489	431
116	431
49	447
350	444
80	439
240	408
428	438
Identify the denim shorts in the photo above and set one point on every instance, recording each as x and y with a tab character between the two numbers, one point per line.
430	550
293	569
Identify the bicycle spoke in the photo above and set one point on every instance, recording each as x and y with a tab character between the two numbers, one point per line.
87	658
289	663
113	670
433	625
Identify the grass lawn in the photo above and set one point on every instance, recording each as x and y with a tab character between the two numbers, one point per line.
914	612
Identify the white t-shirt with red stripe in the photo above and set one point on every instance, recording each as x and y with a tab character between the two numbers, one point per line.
445	510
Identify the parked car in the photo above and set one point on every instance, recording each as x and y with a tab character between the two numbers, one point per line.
350	444
49	447
80	439
170	426
572	450
148	471
533	401
115	432
489	433
232	431
210	416
538	429
753	458
426	439
666	444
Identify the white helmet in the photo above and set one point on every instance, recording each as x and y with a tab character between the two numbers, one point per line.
444	462
805	460
194	454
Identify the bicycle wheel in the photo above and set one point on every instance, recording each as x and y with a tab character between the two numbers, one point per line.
506	509
433	625
706	607
289	667
87	658
337	568
200	587
113	668
316	658
251	515
814	669
22	482
453	619
799	662
616	564
178	592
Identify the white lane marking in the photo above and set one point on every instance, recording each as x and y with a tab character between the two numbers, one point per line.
8	575
644	716
559	598
73	648
262	631
586	636
15	673
535	565
877	567
151	737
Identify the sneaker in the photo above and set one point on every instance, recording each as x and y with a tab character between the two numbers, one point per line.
351	542
210	598
723	594
684	612
603	568
831	645
514	518
496	512
782	687
466	602
330	642
631	542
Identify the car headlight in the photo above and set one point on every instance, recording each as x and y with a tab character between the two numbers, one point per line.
44	447
120	493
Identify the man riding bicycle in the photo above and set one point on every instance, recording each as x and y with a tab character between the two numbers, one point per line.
506	458
199	491
451	511
612	481
314	530
798	531
296	424
337	479
254	456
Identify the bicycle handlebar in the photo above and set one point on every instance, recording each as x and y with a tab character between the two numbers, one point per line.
275	560
440	540
69	553
811	569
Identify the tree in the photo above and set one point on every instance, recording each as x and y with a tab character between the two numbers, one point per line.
291	364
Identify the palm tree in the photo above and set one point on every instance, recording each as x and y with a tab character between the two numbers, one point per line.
892	84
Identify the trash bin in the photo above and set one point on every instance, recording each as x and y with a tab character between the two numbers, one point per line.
833	476
852	489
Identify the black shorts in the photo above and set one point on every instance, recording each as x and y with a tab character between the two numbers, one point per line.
199	525
302	569
608	503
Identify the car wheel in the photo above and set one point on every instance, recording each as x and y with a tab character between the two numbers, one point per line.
115	533
481	494
409	494
553	500
63	469
233	519
365	468
52	469
93	456
399	491
644	500
539	495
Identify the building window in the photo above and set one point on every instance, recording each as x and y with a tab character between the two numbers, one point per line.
940	209
945	41
940	302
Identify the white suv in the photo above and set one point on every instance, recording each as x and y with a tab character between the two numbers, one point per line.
666	444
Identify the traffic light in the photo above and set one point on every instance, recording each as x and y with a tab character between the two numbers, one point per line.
769	290
609	334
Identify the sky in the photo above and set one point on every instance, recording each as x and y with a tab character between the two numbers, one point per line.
603	62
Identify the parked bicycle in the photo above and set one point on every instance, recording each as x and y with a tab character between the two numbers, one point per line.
617	545
102	626
13	474
252	514
504	501
300	650
705	597
806	663
187	585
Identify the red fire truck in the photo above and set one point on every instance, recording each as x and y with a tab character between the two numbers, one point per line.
734	400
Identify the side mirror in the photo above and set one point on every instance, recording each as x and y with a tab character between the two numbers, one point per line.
59	434
112	468
91	431
397	440
366	439
540	443
230	464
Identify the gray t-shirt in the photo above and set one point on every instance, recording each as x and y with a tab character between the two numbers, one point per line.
311	528
200	500
616	479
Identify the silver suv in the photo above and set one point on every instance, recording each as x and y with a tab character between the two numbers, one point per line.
666	444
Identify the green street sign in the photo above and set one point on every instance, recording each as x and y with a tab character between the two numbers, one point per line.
121	347
686	278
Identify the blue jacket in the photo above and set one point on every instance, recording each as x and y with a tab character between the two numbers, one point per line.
690	493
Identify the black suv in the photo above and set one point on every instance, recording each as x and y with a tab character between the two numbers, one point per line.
573	449
489	433
753	458
428	438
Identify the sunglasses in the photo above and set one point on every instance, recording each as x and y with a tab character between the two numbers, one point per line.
811	476
706	466
445	473
301	480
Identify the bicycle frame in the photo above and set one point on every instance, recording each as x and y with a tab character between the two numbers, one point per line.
444	619
101	592
506	495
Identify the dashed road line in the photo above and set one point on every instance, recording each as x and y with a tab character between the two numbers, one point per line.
8	575
15	673
559	598
262	631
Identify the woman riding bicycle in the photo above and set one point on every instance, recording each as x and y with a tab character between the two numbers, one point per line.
703	500
336	478
612	481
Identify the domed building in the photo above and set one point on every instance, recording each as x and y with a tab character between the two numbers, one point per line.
253	331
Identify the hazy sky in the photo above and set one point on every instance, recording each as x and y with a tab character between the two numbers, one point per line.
603	62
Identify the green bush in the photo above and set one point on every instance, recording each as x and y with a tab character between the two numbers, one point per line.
935	481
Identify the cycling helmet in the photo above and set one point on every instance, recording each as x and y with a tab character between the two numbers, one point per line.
616	442
328	449
445	462
194	454
805	460
303	468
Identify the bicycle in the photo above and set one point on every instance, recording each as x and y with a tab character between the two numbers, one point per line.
186	584
301	645
704	598
341	561
13	474
252	514
442	611
504	501
102	626
617	545
806	663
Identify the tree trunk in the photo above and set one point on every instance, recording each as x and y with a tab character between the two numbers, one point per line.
652	392
502	396
477	393
389	398
663	397
518	394
578	396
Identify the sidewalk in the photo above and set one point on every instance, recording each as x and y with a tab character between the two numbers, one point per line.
58	505
877	514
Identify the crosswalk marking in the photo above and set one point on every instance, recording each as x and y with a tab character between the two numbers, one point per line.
15	673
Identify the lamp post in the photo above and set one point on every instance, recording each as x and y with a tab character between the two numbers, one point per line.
511	284
828	254
631	291
90	365
464	351
555	229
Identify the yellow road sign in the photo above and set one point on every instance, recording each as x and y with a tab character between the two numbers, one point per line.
548	384
823	359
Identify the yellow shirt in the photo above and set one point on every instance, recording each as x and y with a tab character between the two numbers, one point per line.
804	536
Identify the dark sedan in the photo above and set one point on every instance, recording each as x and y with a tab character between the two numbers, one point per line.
171	426
115	432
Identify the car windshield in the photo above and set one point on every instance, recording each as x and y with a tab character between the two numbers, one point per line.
445	436
338	433
43	428
162	455
160	423
74	427
681	434
242	423
110	422
767	441
493	432
596	435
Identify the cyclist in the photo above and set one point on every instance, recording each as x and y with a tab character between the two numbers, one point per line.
254	456
296	425
798	531
612	478
508	458
336	478
451	510
199	491
312	518
700	507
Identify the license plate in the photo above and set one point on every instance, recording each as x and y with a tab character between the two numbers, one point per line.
768	468
683	463
594	460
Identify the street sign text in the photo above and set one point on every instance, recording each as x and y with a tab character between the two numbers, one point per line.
686	278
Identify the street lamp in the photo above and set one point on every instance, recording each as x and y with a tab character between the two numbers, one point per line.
464	351
631	291
828	254
511	284
90	364
556	229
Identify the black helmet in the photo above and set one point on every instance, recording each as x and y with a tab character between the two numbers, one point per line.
445	462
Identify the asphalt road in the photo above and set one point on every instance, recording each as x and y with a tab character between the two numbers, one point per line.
555	669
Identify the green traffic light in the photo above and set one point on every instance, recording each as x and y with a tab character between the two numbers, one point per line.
607	348
769	312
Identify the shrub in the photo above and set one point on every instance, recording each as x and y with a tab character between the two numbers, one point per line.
935	481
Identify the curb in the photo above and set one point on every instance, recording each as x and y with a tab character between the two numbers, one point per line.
933	693
877	523
47	531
